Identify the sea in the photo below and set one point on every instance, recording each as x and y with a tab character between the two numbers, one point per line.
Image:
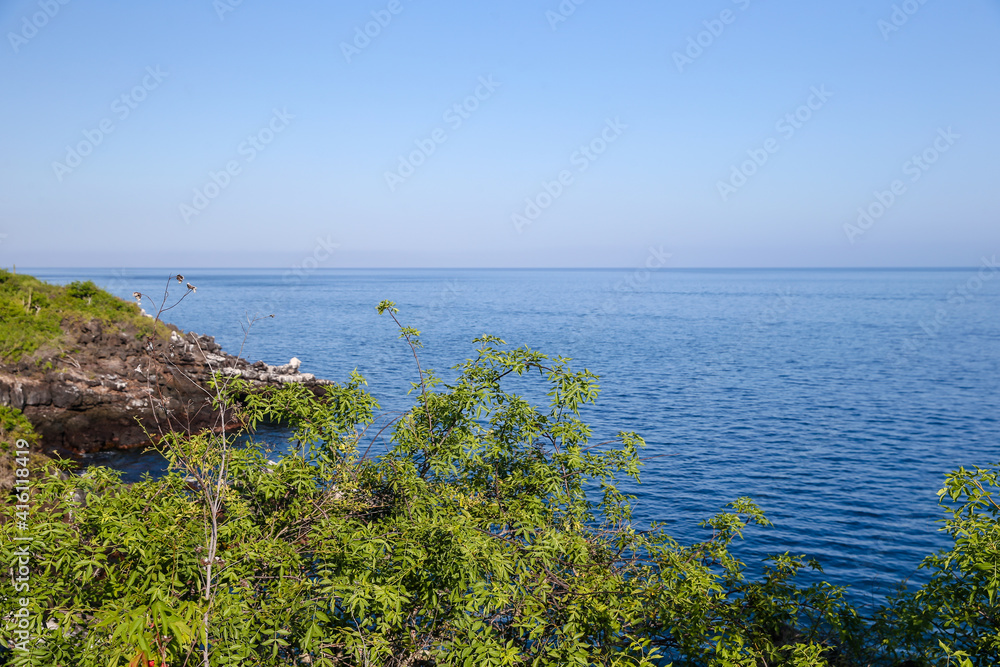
837	399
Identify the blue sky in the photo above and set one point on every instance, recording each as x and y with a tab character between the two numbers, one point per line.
687	112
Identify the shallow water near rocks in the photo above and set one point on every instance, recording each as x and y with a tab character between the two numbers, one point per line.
837	399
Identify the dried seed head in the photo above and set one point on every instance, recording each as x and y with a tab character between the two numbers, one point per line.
192	287
179	277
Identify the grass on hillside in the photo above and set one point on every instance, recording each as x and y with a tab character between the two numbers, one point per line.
33	313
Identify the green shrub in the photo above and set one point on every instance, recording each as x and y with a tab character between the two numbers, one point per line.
82	290
955	618
15	427
491	531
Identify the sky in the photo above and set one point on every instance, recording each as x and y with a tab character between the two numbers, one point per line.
515	133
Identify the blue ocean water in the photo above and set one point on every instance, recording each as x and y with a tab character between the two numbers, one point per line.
837	399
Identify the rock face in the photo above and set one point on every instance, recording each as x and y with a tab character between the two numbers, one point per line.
89	399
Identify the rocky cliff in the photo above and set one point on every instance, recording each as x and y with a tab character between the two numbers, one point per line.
101	390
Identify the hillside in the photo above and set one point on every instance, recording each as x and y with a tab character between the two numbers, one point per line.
35	317
91	372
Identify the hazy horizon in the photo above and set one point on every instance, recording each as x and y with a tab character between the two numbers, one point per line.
542	133
279	262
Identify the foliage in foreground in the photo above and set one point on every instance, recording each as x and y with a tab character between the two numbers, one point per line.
491	532
17	432
956	613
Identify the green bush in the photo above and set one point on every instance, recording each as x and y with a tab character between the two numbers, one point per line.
82	290
955	618
490	532
15	427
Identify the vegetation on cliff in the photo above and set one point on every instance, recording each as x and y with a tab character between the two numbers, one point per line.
34	315
93	371
491	531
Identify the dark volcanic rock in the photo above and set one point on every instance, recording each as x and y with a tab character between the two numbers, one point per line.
103	392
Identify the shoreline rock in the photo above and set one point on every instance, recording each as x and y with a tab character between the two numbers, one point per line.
95	396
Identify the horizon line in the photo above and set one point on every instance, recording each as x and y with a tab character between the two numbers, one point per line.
496	268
